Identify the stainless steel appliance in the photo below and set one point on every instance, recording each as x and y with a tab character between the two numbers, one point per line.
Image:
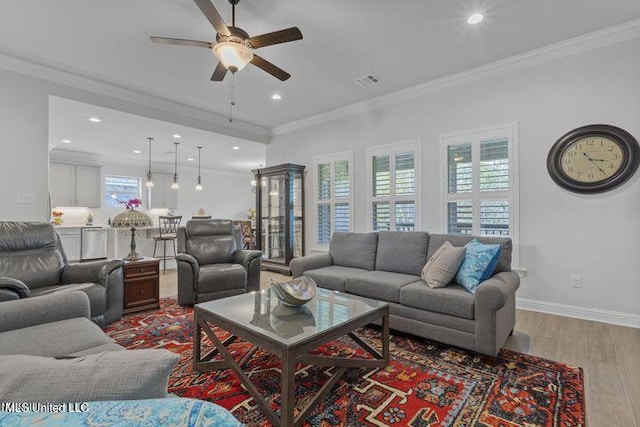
93	244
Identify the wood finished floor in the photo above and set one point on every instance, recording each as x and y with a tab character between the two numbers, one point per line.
609	355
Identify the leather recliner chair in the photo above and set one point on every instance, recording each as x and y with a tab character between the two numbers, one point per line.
211	263
33	263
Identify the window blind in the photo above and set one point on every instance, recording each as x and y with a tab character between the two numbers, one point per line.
341	217
324	181
405	216
341	179
324	223
381	176
405	173
381	216
494	165
459	217
460	169
494	217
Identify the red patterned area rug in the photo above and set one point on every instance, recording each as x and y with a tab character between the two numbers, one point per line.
426	384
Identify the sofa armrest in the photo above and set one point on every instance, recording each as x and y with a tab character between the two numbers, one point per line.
188	272
310	262
43	309
251	261
12	289
95	272
493	293
495	311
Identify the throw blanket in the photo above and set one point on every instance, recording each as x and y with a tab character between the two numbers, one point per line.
171	411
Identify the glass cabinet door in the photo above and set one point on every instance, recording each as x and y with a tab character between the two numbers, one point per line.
280	208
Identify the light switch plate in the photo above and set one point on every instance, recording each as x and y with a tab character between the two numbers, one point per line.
25	198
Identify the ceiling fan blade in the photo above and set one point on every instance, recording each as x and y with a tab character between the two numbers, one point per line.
282	36
267	66
213	16
181	42
219	73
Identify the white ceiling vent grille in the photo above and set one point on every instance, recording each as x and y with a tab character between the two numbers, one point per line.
367	81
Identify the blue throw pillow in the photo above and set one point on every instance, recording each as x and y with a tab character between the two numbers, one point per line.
479	262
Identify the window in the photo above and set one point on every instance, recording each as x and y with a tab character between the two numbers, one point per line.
333	195
481	188
393	195
120	188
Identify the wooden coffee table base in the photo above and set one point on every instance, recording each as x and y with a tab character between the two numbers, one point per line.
290	356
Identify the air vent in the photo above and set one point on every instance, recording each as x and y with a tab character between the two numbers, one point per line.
368	80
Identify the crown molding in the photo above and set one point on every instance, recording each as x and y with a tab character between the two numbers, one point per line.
180	113
608	36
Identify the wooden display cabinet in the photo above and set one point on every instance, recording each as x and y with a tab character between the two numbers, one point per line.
141	285
280	215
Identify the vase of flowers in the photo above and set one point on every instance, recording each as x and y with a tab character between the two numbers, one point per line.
131	204
57	217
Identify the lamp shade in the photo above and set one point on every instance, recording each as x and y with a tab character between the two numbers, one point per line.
234	56
132	219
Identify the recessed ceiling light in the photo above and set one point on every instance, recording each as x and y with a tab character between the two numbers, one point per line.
276	97
236	148
475	18
190	159
137	151
177	136
94	119
66	141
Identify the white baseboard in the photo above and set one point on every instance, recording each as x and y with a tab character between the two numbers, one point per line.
594	314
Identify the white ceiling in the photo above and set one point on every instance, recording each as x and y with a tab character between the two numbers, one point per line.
404	42
119	134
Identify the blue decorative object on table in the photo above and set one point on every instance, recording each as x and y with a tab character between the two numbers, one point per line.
479	262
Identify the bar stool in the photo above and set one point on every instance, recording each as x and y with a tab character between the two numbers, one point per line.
168	232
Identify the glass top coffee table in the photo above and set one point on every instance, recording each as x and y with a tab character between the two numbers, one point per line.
289	333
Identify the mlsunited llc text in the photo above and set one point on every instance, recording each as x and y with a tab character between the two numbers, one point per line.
43	407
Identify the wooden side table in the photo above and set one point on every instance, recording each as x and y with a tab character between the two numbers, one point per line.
141	285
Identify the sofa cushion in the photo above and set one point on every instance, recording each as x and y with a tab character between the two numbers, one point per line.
504	262
220	277
333	277
100	349
402	252
54	339
443	265
453	300
357	250
382	285
97	294
479	263
124	375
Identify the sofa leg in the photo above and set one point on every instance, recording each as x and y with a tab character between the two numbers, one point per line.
511	333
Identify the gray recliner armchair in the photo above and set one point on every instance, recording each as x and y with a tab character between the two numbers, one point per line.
211	263
33	263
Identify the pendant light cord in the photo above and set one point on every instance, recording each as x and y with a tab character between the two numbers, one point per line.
175	164
233	97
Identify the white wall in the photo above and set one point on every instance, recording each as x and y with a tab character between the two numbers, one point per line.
561	233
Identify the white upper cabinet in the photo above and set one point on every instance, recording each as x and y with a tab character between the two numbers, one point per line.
75	185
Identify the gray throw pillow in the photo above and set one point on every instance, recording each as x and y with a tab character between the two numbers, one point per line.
111	375
443	265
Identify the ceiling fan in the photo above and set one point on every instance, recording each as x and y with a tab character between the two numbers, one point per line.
233	46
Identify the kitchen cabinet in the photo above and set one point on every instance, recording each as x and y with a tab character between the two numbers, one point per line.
161	195
71	239
75	185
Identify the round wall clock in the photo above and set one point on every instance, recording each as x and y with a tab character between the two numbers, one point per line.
593	159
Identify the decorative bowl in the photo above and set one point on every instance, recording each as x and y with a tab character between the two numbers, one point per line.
295	292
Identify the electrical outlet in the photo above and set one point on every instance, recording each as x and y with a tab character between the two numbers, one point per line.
576	281
25	198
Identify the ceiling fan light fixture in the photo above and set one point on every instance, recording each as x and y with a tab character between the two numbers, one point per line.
234	56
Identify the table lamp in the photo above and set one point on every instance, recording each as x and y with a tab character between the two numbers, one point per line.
132	219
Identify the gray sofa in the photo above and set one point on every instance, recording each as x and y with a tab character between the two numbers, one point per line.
212	263
33	263
387	266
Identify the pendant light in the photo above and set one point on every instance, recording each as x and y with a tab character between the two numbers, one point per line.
149	173
175	184
199	184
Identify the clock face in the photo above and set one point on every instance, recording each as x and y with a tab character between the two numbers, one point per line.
592	159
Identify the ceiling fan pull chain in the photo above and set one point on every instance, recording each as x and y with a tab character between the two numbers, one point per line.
233	97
